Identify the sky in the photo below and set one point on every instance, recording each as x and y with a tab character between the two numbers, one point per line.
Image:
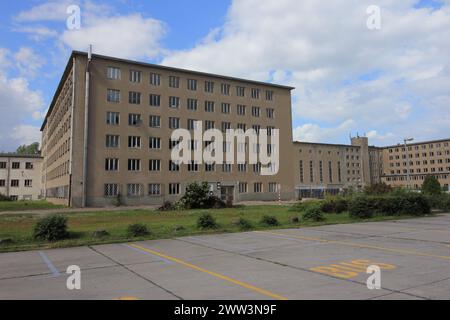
387	83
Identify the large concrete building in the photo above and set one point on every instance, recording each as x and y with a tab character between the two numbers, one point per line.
419	159
107	133
20	176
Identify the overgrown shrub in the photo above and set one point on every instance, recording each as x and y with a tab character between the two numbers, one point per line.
206	221
4	198
197	196
440	202
378	189
167	206
431	186
270	221
414	204
214	202
360	207
244	224
314	214
137	230
334	205
294	220
51	228
303	206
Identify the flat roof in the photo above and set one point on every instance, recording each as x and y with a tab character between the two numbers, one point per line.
156	66
327	144
417	143
16	155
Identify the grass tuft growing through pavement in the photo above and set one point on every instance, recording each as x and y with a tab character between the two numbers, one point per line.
163	225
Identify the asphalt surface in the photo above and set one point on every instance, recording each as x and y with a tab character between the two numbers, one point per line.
326	262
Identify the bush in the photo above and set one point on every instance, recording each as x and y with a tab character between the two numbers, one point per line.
206	221
303	206
334	205
137	230
360	207
294	220
431	186
214	202
51	228
415	204
314	214
196	196
4	198
100	234
378	189
244	224
441	202
270	221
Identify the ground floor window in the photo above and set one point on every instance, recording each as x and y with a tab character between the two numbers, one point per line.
257	187
111	190
242	187
133	190
154	189
273	187
174	188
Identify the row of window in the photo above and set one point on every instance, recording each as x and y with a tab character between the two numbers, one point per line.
15	183
423	147
418	163
191	104
155	165
321	172
423	154
17	165
157	189
135	76
421	170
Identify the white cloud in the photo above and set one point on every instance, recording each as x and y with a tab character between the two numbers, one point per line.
28	62
314	133
25	134
54	10
130	36
386	80
38	33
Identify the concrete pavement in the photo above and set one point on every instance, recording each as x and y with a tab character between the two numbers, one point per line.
327	262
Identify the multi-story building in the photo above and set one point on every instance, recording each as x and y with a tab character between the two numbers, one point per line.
20	176
331	168
107	133
420	160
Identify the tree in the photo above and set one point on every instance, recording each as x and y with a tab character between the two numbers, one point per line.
431	186
30	149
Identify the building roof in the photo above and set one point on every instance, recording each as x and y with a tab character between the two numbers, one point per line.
417	143
326	144
16	155
156	66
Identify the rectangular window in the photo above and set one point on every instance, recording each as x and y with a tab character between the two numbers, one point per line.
255	93
2	165
134	190
174	167
192	84
270	113
29	166
134	165
257	167
174	123
113	95
134	119
154	143
111	164
209	106
113	118
28	183
154	165
173	144
226	107
209	124
257	128
15	183
240	91
135	76
311	171
225	88
193	166
242	187
155	100
273	187
242	167
112	141
155	122
134	142
269	95
155	79
174	82
209	86
241	110
174	102
192	124
321	171
242	126
2	182
226	126
301	172
257	187
330	171
256	111
226	167
174	188
111	190
154	189
134	97
113	73
192	104
210	167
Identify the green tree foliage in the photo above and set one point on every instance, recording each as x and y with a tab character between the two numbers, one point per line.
30	149
431	186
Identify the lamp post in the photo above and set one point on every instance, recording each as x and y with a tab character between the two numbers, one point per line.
408	176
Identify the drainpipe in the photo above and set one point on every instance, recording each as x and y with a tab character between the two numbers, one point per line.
86	128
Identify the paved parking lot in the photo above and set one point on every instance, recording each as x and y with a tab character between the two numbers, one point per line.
326	262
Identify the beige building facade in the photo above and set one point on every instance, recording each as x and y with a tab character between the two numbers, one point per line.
107	134
20	176
420	160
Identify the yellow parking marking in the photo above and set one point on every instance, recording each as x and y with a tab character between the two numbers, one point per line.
127	298
359	245
348	270
211	273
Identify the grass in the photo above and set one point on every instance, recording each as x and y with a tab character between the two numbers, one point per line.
162	225
27	205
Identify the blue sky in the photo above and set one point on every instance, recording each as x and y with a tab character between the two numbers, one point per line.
387	83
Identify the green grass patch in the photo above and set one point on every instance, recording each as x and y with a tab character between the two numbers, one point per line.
27	205
162	225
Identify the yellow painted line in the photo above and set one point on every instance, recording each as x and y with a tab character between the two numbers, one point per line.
211	273
359	245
